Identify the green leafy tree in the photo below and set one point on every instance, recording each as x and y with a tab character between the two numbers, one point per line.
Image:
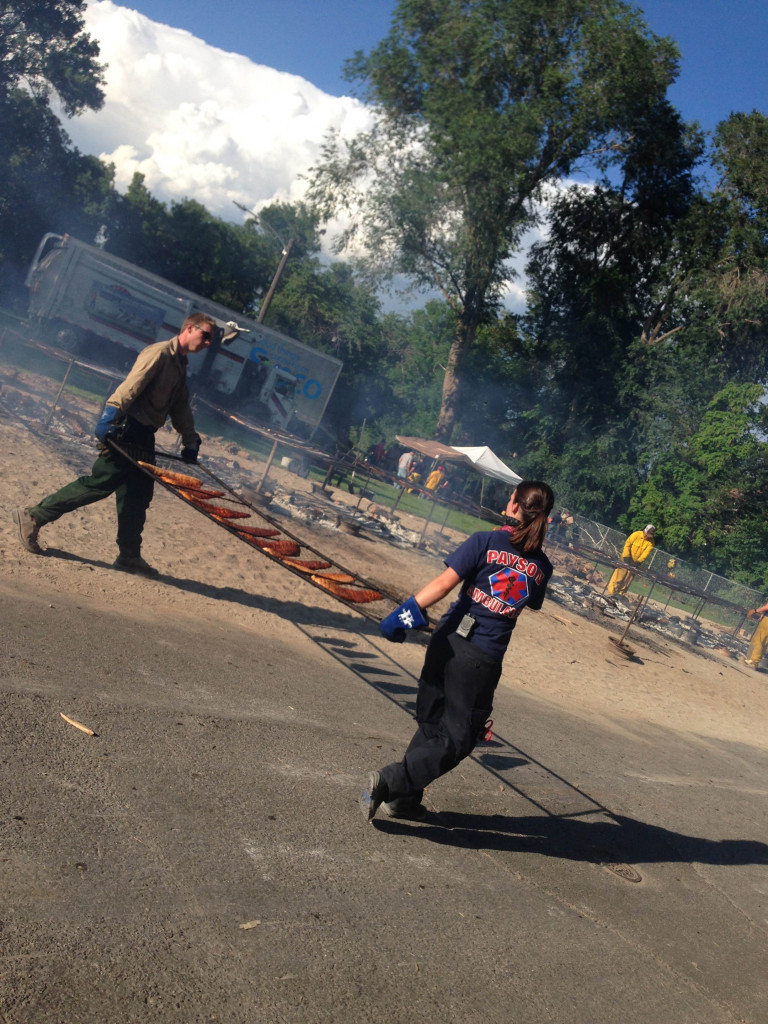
45	54
417	351
44	47
289	222
729	294
328	309
229	263
603	289
47	186
710	495
700	418
137	228
209	256
479	106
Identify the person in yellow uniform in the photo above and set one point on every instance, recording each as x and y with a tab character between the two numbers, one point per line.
435	478
637	547
759	641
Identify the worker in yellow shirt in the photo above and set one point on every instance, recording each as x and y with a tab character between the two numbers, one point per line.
435	478
759	640
637	547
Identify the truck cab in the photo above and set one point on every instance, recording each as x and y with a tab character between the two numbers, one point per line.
278	394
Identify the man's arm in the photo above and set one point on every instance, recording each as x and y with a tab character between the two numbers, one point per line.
183	420
140	375
645	552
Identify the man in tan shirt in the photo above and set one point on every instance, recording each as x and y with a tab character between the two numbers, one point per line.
155	389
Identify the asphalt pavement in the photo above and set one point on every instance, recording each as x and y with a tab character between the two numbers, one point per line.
201	857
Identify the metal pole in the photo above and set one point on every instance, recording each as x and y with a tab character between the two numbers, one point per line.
269	466
631	619
648	597
447	513
58	394
268	297
426	524
400	493
367	481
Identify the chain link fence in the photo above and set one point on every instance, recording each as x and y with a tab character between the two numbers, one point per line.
673	580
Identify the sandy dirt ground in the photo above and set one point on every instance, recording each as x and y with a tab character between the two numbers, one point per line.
567	658
202	857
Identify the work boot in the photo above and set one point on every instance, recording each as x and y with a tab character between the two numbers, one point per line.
136	565
373	795
407	810
28	530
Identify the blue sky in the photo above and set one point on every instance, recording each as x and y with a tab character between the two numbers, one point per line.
723	42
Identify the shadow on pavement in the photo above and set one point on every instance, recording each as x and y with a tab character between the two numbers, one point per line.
617	838
295	611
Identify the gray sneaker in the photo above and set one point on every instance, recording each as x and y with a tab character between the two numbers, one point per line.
405	810
136	565
27	529
373	795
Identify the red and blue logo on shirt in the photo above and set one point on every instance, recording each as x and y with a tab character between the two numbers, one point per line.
509	585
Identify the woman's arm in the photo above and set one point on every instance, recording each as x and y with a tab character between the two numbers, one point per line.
437	588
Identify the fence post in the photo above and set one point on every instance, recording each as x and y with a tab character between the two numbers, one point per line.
269	466
428	521
58	394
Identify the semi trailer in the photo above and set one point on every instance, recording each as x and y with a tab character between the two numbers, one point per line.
85	300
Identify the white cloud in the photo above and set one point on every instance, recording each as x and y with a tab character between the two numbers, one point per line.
201	123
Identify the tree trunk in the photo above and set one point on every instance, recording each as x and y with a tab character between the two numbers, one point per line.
449	408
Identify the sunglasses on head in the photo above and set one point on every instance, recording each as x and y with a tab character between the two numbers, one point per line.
205	333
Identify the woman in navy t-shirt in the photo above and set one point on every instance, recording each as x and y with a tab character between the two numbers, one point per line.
501	572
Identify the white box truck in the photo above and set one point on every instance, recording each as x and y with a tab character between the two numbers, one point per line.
88	300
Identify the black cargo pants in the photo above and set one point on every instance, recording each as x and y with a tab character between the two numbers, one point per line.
454	701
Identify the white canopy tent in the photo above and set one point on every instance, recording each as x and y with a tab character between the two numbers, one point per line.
488	464
481	459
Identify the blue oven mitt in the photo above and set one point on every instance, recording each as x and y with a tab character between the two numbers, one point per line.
407	616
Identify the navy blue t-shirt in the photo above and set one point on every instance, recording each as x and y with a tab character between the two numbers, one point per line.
498	581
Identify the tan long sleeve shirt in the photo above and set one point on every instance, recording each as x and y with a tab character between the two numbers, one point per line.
156	388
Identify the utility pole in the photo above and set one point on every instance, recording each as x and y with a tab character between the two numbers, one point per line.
264	306
286	247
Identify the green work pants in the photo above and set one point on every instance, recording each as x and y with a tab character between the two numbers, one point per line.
110	474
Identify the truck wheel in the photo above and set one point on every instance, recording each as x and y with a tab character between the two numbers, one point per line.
67	340
253	410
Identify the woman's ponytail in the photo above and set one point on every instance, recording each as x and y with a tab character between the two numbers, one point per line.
536	501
